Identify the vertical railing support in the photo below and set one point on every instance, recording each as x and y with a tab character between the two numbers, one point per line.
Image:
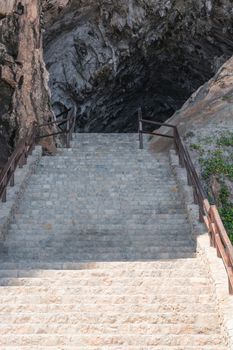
140	131
230	287
4	196
68	133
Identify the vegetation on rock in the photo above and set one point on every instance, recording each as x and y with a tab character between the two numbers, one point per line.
214	157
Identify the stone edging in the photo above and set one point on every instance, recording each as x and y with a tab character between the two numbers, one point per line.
208	255
14	194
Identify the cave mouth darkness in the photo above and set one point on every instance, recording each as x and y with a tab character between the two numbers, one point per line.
109	67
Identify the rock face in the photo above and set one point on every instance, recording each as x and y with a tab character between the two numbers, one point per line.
24	96
111	57
208	111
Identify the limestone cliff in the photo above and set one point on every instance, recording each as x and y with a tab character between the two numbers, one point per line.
110	57
24	95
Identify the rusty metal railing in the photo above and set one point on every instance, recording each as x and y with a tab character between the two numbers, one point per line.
18	158
27	144
208	213
68	122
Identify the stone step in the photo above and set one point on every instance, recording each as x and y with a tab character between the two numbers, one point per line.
111	339
107	220
139	272
139	205
200	297
104	161
117	347
75	229
174	265
100	256
50	255
32	214
90	318
139	202
125	329
120	308
30	241
114	281
98	249
160	219
120	290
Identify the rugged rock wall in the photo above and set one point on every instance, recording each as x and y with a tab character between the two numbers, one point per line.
24	96
110	57
207	111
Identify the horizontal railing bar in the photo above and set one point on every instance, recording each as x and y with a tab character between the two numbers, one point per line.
56	122
157	123
49	135
62	113
55	133
70	124
156	134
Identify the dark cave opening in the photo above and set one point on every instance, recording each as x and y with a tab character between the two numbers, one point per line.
109	72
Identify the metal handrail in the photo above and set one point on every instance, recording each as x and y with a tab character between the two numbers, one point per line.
68	130
208	213
27	144
18	158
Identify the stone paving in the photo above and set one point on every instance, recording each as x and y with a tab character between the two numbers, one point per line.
100	256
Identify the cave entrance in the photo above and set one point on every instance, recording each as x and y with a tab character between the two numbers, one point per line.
109	67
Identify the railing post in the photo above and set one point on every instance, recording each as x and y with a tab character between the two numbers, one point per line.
217	237
201	218
4	196
189	179
229	264
68	133
12	181
140	131
21	162
230	287
195	197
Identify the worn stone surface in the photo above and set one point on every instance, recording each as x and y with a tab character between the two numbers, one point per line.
109	58
100	256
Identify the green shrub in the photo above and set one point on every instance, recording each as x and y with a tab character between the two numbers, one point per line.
226	140
217	165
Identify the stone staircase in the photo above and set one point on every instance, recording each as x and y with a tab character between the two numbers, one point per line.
100	256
